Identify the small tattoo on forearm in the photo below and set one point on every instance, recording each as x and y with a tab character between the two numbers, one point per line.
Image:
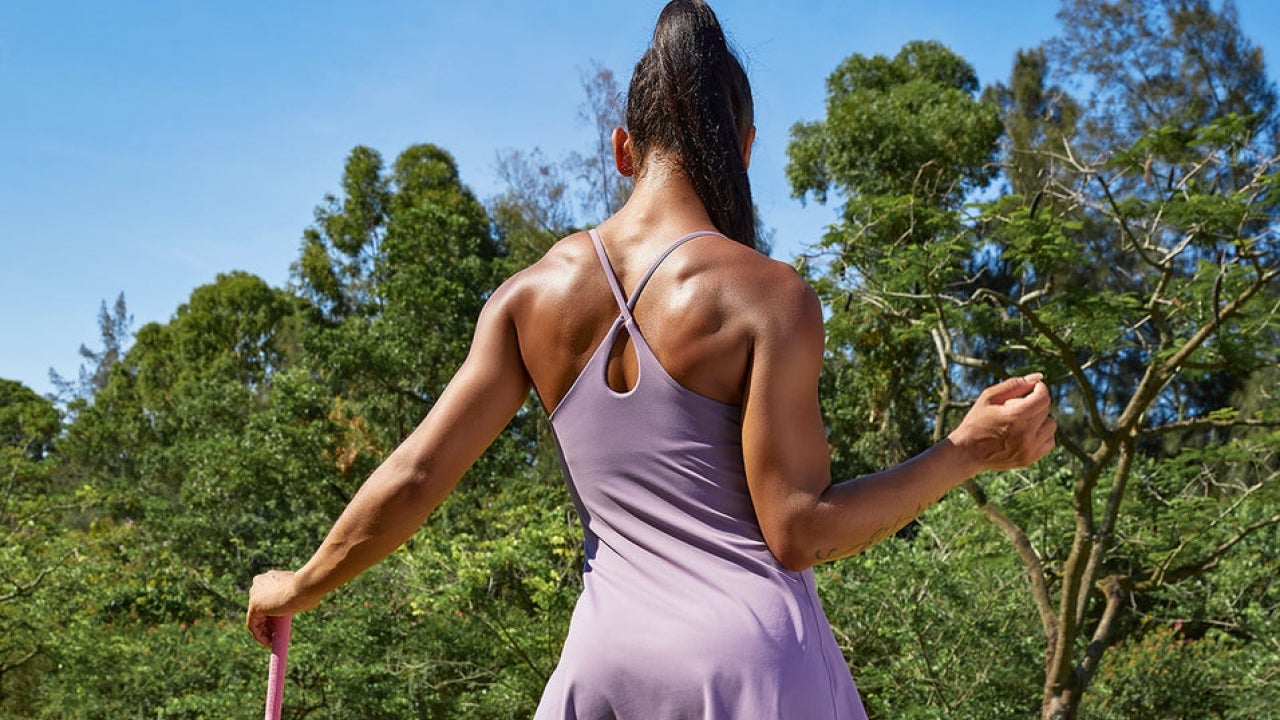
880	534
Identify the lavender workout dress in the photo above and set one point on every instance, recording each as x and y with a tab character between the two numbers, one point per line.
684	612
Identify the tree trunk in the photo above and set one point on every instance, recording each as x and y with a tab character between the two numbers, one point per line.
1060	704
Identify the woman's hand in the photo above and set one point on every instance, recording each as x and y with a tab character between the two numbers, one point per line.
1008	426
274	593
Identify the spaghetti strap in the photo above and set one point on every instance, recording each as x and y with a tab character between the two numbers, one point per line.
596	367
635	295
625	304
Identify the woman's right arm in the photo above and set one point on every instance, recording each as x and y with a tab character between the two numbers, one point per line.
804	517
389	507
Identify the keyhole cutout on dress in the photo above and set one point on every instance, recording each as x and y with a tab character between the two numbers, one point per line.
623	370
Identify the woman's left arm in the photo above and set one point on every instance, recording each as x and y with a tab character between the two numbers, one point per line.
397	498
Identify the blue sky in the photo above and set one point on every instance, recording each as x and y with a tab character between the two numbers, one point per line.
146	147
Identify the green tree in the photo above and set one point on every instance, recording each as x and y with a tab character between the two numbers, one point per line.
935	625
205	456
486	590
1038	118
1148	305
31	556
115	327
338	252
922	142
398	270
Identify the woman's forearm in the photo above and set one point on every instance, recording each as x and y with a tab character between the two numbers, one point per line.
385	512
1007	427
854	515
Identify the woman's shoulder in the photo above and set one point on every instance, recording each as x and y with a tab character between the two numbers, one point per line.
562	271
774	289
564	261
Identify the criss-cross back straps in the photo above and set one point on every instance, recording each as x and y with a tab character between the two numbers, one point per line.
625	304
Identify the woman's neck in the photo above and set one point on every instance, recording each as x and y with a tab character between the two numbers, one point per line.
663	198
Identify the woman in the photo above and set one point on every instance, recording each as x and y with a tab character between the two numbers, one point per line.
679	367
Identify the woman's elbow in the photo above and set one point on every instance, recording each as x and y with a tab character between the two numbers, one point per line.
797	561
792	549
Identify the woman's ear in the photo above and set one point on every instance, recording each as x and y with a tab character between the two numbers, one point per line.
748	141
622	153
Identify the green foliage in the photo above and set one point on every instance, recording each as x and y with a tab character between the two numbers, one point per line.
903	141
1161	673
119	649
1132	258
904	613
224	442
32	557
906	126
28	422
398	270
1037	118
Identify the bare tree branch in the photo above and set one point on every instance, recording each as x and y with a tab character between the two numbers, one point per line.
1026	551
1123	224
1114	591
1058	666
20	589
14	664
1204	424
1157	376
1065	354
1193	569
1106	530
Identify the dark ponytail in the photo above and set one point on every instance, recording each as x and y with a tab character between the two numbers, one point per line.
690	95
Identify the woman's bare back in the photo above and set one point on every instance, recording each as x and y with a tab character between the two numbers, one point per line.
697	312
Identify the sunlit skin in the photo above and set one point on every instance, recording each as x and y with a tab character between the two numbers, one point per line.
726	322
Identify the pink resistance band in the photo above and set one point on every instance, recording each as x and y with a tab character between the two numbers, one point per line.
280	627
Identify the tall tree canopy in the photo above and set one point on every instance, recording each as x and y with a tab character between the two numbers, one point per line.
398	269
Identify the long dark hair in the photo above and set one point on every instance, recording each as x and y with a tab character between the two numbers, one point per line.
690	95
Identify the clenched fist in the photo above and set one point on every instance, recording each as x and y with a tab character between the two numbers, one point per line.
1009	425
